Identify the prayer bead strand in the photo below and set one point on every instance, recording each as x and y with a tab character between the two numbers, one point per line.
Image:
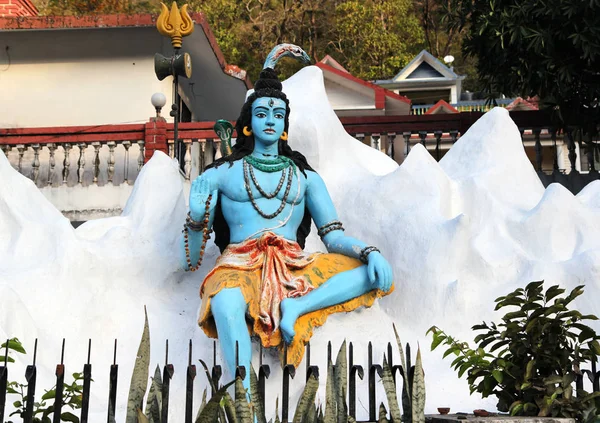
205	237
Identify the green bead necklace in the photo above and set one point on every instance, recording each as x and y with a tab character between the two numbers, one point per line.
270	165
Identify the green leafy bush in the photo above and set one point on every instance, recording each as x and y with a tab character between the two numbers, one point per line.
531	359
43	409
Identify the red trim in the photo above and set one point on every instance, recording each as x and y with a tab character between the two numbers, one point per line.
441	104
374	87
112	21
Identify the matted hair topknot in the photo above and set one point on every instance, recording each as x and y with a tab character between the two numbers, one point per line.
268	80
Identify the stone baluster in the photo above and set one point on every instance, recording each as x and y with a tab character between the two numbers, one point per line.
423	136
438	141
21	149
187	159
81	162
5	148
96	161
111	160
391	137
126	145
140	143
538	149
453	136
36	163
406	136
375	141
202	163
572	151
51	162
553	137
171	149
66	162
590	152
360	137
218	154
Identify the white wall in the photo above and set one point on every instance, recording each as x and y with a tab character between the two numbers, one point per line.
79	77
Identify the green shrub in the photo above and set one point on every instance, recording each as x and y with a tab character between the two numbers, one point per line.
531	359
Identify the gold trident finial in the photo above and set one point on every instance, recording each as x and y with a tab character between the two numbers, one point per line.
174	24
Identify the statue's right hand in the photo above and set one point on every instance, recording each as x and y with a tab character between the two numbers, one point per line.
202	187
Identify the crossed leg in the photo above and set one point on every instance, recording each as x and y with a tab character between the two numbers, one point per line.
336	290
229	311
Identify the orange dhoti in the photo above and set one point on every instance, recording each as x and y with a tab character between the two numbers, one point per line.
267	270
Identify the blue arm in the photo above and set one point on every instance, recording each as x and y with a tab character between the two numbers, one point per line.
323	211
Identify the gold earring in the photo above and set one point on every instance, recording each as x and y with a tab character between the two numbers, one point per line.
246	131
284	136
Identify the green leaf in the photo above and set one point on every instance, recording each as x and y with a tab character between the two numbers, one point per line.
139	378
463	368
51	394
242	408
529	370
418	391
15	345
498	375
553	291
390	391
69	417
595	346
552	380
257	401
210	411
437	340
516	408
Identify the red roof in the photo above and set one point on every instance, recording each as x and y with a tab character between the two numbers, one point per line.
114	21
328	60
526	104
380	93
443	105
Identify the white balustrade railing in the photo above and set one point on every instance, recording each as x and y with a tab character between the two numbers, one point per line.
75	163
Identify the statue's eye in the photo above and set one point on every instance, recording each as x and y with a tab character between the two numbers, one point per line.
279	116
261	115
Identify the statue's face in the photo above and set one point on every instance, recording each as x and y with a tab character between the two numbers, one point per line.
268	119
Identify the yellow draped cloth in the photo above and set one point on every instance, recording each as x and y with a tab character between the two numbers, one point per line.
267	270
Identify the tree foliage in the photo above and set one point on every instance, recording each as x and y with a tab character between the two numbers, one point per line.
372	39
549	48
92	7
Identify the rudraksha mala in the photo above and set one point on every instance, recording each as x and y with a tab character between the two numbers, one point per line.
205	237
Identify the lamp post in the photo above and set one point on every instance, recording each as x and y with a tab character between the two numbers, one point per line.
158	100
174	24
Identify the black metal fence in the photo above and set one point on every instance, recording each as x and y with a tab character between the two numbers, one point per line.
356	371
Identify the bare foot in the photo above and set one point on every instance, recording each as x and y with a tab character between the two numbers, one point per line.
289	315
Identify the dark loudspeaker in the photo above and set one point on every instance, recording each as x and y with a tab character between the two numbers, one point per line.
179	64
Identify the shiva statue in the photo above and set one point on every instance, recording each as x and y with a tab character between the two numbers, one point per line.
260	200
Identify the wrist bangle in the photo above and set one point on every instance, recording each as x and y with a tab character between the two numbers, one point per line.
364	253
334	225
194	225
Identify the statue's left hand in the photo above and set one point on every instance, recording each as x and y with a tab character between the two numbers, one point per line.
379	271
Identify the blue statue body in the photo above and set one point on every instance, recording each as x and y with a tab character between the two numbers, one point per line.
247	212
